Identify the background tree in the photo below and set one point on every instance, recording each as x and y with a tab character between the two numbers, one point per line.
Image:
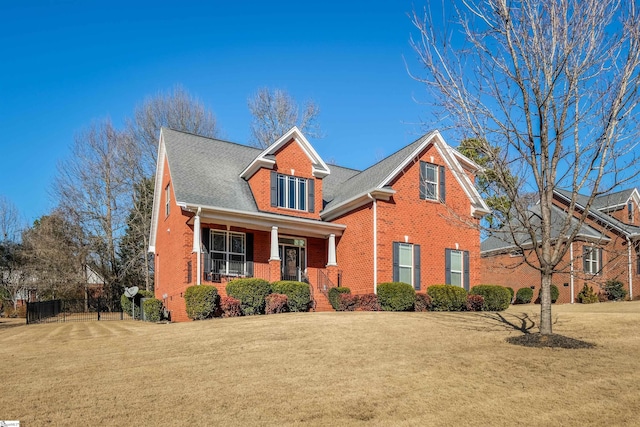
10	222
55	255
178	110
11	271
275	112
91	188
554	84
484	154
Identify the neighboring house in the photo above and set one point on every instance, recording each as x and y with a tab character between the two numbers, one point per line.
223	210
606	248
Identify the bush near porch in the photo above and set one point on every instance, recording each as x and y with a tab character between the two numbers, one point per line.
251	293
298	294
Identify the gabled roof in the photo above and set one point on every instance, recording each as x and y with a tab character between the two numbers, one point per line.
319	168
378	177
501	241
600	214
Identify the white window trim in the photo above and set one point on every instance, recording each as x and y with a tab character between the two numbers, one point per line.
167	196
227	252
298	200
436	183
592	258
410	266
461	271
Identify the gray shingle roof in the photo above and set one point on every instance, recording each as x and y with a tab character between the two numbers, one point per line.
502	240
370	178
206	171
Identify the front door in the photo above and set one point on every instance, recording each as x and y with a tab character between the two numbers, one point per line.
290	256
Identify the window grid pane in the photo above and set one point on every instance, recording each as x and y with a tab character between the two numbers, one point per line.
292	192
431	181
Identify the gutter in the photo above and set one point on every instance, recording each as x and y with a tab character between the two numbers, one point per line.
630	269
375	243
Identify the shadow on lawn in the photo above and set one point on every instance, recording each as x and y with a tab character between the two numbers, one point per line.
6	323
521	322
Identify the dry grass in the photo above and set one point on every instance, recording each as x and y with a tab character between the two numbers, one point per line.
326	369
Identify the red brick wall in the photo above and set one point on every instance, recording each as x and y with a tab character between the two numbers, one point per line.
512	271
289	157
174	242
432	225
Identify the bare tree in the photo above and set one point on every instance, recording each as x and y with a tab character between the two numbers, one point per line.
92	190
10	222
554	84
275	112
176	109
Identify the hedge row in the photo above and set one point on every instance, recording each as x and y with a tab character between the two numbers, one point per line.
247	297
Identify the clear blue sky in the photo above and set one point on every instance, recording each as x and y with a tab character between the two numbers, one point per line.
68	62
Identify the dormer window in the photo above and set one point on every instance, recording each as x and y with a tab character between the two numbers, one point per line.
630	211
292	192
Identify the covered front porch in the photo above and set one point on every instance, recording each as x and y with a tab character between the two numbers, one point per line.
272	247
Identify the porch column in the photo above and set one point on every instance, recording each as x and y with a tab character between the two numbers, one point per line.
332	251
196	246
274	259
275	256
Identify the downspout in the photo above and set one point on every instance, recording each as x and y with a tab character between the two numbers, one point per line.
375	243
630	269
571	273
196	245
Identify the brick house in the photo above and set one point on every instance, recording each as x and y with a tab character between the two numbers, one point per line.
606	248
224	210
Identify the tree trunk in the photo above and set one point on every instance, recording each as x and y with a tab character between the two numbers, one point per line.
545	304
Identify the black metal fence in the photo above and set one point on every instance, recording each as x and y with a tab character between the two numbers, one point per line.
83	310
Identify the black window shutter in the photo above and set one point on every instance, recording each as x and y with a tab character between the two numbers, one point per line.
465	259
206	239
396	261
423	176
274	188
585	251
249	253
416	267
599	259
311	183
441	183
447	266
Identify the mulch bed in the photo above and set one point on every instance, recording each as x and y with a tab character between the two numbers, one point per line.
549	341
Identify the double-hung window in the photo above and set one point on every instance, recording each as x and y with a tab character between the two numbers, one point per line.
228	252
591	259
456	269
292	192
406	264
630	212
432	185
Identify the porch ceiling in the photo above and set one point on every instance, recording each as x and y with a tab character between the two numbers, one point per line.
264	221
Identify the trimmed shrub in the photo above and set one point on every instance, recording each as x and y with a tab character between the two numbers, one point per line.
587	296
422	303
555	294
496	298
524	296
125	302
511	293
475	302
201	301
447	298
368	302
251	293
276	303
396	296
298	294
347	302
614	290
334	296
230	307
152	310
